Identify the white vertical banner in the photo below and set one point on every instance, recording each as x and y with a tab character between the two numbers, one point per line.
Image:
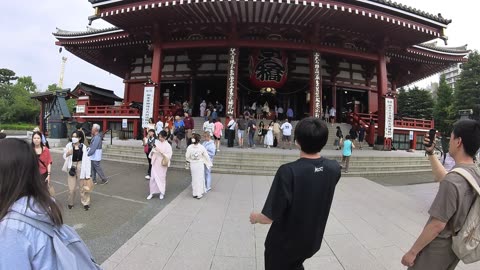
124	123
148	95
389	117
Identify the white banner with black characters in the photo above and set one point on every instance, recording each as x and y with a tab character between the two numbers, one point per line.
231	80
148	97
389	117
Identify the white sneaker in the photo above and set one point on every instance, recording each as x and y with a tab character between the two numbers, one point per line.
150	197
199	197
147	176
161	196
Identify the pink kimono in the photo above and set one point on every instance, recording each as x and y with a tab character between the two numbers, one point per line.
158	178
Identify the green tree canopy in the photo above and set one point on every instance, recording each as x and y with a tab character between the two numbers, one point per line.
7	76
415	103
16	104
467	88
443	111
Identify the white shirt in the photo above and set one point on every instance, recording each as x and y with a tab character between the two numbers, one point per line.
159	126
280	110
208	127
286	129
333	112
231	124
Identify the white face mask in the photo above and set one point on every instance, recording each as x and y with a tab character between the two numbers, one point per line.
193	140
74	140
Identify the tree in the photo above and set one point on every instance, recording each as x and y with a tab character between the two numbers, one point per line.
53	87
415	103
443	112
71	103
467	88
7	76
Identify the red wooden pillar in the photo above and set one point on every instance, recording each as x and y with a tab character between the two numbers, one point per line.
156	74
104	124
315	85
232	79
381	92
135	128
40	119
334	95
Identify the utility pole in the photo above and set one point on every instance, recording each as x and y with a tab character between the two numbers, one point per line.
62	72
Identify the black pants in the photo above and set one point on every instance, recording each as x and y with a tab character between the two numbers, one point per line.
230	137
275	259
149	165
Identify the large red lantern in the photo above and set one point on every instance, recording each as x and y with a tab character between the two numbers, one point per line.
268	68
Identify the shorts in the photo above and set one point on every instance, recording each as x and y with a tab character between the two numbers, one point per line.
286	138
241	134
217	138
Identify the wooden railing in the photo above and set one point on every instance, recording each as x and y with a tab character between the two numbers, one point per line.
414	123
109	110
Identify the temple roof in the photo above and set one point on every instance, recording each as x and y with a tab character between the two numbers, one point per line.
433	45
413	10
92	89
89	31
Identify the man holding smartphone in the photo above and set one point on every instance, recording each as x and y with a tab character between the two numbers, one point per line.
449	210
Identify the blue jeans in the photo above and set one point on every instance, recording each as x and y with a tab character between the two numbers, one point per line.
251	142
208	178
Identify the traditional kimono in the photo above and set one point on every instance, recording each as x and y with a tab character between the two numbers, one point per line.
203	106
198	158
158	179
269	137
210	147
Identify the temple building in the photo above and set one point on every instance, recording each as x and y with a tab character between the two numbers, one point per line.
305	55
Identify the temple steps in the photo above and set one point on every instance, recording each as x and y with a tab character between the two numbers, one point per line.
244	162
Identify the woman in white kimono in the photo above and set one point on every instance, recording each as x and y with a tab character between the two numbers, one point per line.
203	106
161	155
269	137
198	158
76	155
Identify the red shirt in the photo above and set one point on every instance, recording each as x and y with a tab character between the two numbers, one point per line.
46	158
188	121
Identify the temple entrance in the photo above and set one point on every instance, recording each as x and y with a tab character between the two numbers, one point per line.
211	90
351	100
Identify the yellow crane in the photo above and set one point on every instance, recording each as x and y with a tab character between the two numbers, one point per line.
62	72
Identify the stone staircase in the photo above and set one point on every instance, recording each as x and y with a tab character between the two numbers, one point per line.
263	161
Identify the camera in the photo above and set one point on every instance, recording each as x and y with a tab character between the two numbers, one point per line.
431	136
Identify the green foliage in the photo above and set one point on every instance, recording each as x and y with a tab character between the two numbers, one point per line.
53	87
71	103
467	88
15	102
7	76
18	126
415	103
443	111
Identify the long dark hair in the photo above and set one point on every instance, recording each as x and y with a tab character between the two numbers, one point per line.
41	142
19	177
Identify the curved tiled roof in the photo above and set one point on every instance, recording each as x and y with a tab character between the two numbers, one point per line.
89	31
413	10
433	46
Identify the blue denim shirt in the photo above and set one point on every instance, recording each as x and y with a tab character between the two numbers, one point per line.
23	246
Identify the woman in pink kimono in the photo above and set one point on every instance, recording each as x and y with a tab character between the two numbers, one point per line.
197	156
161	155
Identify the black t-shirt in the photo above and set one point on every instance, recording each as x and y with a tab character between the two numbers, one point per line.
250	125
241	124
299	203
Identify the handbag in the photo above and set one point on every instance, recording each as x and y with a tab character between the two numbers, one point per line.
145	148
72	171
165	160
88	185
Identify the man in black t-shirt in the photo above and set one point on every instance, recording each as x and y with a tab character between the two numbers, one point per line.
251	128
299	201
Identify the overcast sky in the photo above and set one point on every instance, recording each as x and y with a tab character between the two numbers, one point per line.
28	46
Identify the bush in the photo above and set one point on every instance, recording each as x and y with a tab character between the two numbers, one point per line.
17	126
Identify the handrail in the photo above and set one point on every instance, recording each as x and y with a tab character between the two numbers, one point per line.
109	110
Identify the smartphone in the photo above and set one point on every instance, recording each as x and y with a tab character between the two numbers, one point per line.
431	136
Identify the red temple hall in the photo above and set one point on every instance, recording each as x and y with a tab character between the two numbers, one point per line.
305	55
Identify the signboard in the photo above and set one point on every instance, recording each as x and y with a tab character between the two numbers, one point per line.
268	68
389	117
317	105
80	109
410	135
231	80
124	123
148	95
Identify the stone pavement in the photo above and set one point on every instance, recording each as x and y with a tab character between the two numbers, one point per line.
370	227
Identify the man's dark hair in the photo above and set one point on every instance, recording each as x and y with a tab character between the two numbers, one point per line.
347	137
163	134
311	134
469	131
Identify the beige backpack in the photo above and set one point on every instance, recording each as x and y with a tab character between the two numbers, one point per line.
466	243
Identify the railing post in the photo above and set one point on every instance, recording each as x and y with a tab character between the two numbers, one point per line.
111	136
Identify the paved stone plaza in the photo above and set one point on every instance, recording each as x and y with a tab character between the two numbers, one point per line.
370	227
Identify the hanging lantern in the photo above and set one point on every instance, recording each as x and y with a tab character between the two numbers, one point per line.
268	68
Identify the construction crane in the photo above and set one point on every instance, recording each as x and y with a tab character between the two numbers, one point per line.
62	72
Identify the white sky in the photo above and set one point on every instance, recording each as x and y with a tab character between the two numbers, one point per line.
28	46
